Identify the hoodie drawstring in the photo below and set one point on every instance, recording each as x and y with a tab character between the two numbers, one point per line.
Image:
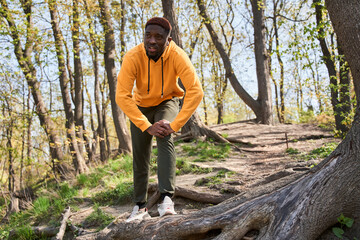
148	90
162	77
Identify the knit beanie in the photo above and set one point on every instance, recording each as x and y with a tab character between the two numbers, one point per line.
162	22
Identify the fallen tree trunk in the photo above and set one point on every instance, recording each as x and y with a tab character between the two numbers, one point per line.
186	193
60	234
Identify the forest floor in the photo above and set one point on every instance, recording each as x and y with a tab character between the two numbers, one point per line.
265	154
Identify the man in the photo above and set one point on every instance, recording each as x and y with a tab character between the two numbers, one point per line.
153	108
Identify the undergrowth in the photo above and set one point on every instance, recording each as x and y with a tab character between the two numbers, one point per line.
317	153
203	151
110	183
220	177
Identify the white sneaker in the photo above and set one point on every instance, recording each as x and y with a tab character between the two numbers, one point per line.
166	207
137	214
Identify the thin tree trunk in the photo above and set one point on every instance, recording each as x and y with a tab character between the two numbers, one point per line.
78	78
122	29
109	56
28	140
274	82
106	129
203	86
99	134
281	111
14	201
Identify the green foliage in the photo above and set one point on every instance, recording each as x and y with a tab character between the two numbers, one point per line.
66	192
307	117
344	222
25	233
207	151
220	177
89	180
292	151
184	167
4	232
121	194
98	218
40	207
323	151
114	170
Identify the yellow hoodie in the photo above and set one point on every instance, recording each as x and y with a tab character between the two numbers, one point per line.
156	82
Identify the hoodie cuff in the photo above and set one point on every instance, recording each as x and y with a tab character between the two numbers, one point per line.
145	126
174	127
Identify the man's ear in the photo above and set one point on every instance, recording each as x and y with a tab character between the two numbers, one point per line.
169	39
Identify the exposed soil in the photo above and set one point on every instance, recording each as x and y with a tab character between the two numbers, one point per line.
261	161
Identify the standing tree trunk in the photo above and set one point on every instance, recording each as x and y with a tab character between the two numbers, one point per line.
281	109
336	89
109	56
14	201
12	183
24	58
262	64
78	78
262	107
303	209
78	160
344	16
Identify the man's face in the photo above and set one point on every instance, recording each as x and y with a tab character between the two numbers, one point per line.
155	40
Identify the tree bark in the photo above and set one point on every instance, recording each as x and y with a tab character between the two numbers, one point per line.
303	209
262	64
60	234
169	14
109	56
78	81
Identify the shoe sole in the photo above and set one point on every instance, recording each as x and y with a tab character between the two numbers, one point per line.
168	213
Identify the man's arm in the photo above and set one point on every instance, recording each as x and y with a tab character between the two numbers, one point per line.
194	92
125	85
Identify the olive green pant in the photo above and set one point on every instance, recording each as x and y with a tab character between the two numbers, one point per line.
142	148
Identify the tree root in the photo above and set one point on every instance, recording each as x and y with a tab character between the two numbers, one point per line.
186	193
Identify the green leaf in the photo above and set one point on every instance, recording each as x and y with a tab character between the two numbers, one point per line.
338	232
348	222
345	221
